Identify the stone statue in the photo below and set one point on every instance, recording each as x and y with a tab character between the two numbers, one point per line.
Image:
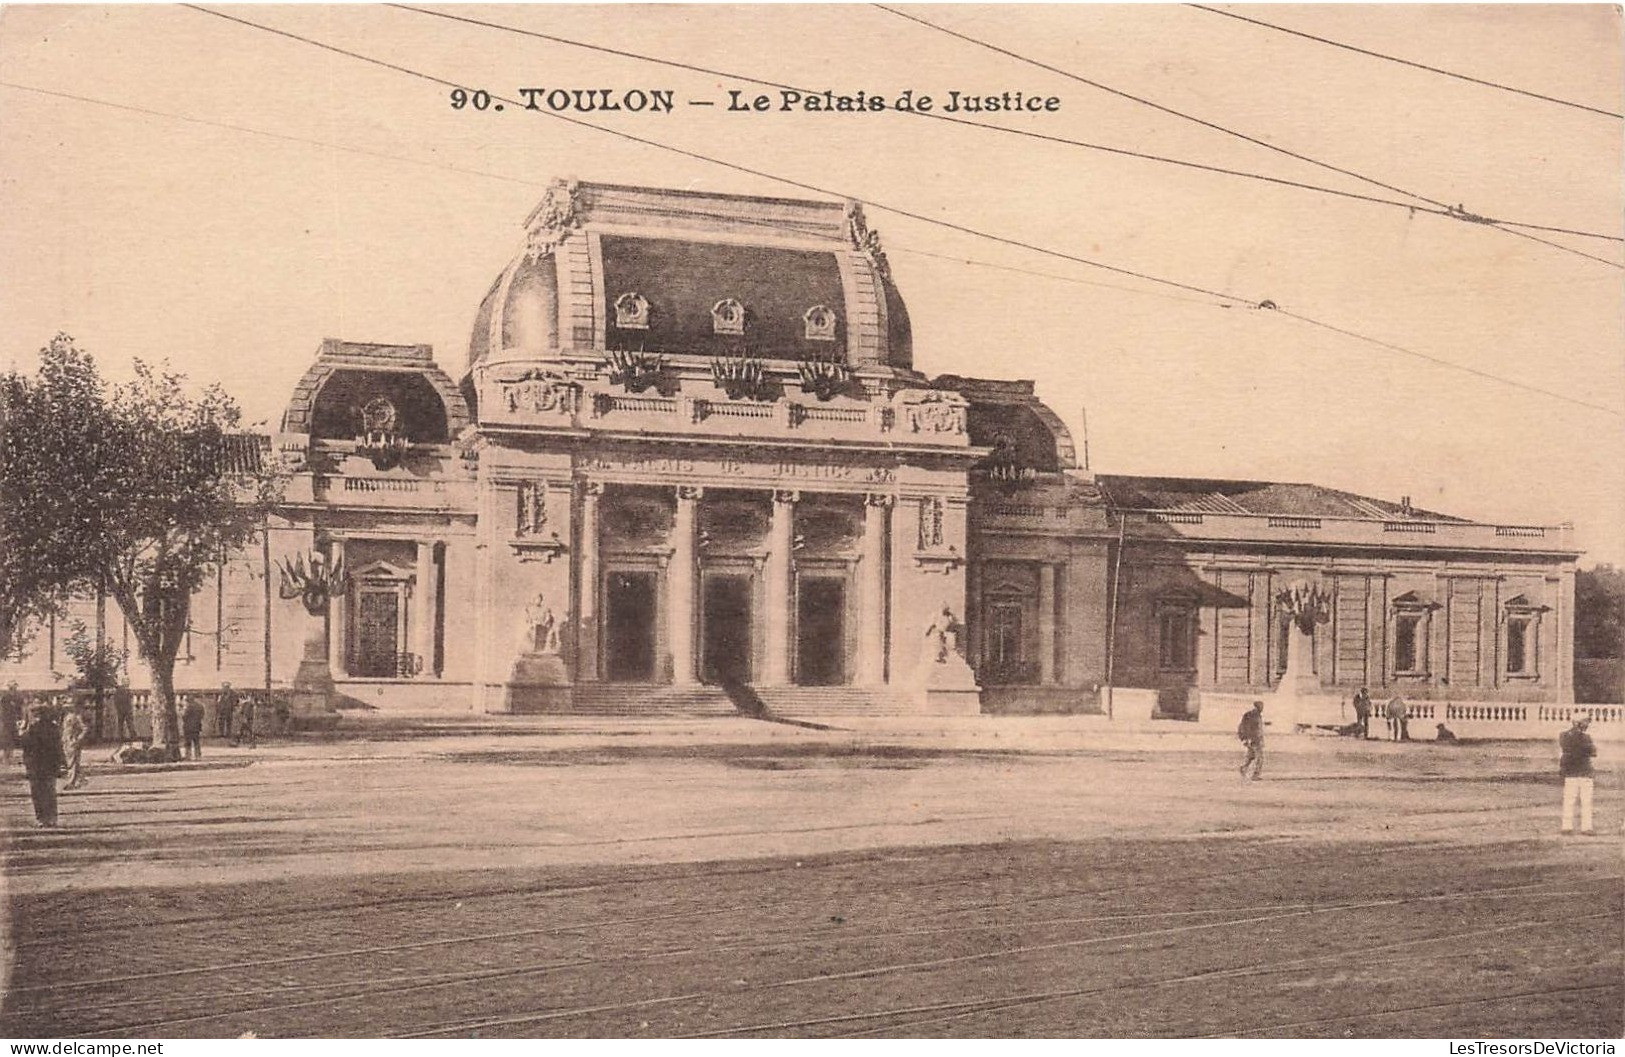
942	637
541	627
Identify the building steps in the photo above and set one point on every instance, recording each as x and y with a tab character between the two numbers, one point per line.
647	699
793	702
786	702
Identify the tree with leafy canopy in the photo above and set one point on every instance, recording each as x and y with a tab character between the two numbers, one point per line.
55	448
155	498
1599	612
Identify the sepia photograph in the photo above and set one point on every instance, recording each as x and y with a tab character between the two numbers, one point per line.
812	521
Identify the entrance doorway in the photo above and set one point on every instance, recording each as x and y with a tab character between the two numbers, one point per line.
629	627
821	632
377	647
727	630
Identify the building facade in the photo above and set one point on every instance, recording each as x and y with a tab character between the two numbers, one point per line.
690	465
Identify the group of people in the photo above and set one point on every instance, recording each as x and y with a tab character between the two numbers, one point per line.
52	734
1576	751
1395	711
52	738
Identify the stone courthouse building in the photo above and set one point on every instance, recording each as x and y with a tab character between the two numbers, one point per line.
692	463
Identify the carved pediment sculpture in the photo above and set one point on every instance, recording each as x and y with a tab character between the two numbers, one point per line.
557	216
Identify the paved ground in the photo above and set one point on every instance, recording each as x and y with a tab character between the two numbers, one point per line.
982	877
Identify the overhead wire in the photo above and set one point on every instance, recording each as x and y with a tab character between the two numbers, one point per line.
892	246
1223	297
1457	210
1406	62
1439	210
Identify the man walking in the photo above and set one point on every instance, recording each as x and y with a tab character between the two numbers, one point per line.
1251	733
11	717
42	756
74	734
1362	712
124	711
1578	750
192	728
1398	719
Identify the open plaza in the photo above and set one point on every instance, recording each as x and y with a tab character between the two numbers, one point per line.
926	876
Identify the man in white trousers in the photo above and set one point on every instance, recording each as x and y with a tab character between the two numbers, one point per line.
1578	776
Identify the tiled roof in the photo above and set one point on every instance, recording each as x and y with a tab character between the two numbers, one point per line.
246	452
1254	497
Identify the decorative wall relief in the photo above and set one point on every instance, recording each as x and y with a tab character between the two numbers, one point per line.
558	214
632	312
728	317
539	392
819	323
932	411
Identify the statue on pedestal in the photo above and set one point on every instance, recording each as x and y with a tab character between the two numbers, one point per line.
541	629
942	637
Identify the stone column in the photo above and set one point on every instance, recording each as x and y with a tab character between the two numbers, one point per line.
335	617
680	584
1046	624
423	608
776	593
586	622
872	592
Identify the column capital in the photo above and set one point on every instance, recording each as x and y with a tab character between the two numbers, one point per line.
592	488
690	492
786	495
880	499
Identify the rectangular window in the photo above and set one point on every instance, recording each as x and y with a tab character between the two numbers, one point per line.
1176	640
1518	647
1407	642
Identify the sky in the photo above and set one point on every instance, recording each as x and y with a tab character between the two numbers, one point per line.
352	201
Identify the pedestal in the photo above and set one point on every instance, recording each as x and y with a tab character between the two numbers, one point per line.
313	682
1298	700
949	688
538	682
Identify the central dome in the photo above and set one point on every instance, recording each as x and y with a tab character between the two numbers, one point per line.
686	273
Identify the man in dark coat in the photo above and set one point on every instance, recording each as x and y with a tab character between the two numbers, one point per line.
192	728
226	704
245	721
1251	733
1578	750
42	756
1362	712
124	710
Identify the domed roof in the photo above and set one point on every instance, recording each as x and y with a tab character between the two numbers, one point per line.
688	273
519	316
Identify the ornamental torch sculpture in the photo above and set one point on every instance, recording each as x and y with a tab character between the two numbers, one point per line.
1305	605
315	584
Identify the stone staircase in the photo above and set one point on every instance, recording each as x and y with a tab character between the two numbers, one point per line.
648	699
797	702
769	702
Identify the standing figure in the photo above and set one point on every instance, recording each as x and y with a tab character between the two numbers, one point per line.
1398	719
192	728
11	717
1362	712
42	756
225	709
124	711
1251	733
1575	766
283	710
74	735
245	722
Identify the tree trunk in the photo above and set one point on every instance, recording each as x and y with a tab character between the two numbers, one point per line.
166	726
